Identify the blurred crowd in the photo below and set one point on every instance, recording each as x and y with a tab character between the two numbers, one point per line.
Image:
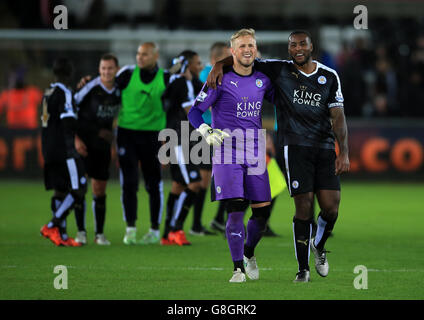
382	81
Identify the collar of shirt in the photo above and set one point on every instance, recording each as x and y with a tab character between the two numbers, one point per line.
147	75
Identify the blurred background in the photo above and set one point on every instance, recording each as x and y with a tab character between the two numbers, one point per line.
381	68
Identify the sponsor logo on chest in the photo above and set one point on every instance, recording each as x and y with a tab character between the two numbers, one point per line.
305	97
247	109
107	111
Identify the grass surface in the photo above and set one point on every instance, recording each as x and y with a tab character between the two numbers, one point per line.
380	226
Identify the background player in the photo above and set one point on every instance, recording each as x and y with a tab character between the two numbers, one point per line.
241	88
140	119
98	105
310	116
218	51
63	168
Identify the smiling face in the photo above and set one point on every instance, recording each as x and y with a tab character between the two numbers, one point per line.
147	56
300	48
244	50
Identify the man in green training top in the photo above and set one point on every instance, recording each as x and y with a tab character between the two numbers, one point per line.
139	122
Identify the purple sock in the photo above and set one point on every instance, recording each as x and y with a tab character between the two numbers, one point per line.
253	233
235	235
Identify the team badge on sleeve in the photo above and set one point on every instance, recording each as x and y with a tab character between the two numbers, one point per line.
322	80
339	97
259	83
202	96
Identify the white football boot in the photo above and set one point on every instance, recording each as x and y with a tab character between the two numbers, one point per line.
81	237
321	263
130	236
302	276
101	240
251	268
238	276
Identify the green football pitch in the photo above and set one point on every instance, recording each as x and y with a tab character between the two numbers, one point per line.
380	226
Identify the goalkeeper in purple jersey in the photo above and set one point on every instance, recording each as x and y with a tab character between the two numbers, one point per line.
239	179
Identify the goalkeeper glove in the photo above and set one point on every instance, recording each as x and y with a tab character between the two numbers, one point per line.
214	137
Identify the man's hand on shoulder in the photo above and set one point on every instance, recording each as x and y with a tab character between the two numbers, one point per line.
215	75
83	81
217	72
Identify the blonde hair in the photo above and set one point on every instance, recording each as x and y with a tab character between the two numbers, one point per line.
241	33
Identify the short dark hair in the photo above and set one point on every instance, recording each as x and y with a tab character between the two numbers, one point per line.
301	32
110	56
63	67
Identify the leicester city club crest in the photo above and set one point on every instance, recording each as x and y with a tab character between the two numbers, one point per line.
259	83
322	80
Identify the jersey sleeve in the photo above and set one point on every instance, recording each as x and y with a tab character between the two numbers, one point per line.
169	78
269	93
336	96
65	105
82	94
68	119
189	95
174	95
270	67
204	100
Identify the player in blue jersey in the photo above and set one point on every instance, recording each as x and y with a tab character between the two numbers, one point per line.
237	106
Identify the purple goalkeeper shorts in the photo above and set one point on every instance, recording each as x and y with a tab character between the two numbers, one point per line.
233	181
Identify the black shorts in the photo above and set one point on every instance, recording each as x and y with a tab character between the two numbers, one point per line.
184	173
97	162
65	176
308	169
137	148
